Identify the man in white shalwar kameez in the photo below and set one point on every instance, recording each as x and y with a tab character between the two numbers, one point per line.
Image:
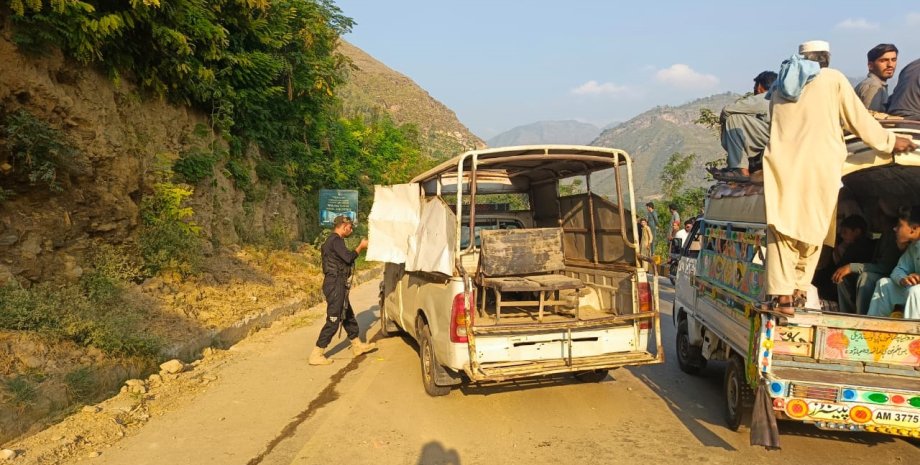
803	165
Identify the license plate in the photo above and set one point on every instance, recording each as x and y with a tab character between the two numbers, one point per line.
887	417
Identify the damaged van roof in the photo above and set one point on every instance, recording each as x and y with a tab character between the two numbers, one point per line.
514	169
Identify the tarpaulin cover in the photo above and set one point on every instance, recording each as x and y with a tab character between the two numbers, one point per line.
431	249
394	218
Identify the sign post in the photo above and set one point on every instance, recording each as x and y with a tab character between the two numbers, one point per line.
335	202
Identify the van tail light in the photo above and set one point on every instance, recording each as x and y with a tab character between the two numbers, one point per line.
458	317
645	302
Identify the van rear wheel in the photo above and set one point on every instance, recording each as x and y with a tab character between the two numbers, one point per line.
429	361
739	397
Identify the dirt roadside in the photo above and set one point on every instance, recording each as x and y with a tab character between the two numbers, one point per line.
285	298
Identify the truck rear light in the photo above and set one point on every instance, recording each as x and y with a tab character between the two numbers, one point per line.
458	315
645	302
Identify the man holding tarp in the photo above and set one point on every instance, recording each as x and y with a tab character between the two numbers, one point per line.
337	263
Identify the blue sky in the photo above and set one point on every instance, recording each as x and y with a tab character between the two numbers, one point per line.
500	64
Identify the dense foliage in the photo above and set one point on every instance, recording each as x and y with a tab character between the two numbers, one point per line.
266	72
38	153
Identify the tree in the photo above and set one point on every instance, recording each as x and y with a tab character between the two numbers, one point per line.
673	175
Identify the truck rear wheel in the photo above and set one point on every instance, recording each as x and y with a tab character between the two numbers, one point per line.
591	376
739	397
387	326
689	357
429	361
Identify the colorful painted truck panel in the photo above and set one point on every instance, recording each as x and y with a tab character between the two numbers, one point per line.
836	371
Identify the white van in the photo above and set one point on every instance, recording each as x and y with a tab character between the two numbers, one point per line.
538	274
834	370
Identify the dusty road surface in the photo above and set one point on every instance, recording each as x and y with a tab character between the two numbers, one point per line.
262	404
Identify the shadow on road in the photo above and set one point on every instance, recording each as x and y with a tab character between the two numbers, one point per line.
695	400
433	453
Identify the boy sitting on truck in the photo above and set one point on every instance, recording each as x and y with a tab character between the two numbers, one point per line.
901	288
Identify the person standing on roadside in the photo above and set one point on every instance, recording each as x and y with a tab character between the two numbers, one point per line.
873	90
652	218
803	166
337	264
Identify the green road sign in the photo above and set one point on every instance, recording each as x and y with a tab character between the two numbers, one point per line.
335	202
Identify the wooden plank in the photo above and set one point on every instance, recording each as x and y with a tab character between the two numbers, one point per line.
838	320
817	366
893	371
868	380
511	252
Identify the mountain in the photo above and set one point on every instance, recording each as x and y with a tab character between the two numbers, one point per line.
547	132
373	87
653	136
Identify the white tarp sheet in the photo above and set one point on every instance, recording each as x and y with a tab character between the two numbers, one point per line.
393	220
431	249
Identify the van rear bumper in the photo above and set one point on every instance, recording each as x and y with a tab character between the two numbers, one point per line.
502	371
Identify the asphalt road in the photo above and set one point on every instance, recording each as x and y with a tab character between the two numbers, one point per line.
654	414
267	406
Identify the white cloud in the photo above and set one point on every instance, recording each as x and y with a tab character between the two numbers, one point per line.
913	19
597	88
684	77
860	24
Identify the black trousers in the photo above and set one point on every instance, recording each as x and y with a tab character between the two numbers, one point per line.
336	292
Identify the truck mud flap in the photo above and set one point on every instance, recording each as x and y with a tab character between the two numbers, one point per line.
510	370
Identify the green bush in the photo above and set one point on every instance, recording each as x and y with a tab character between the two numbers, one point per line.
194	166
169	240
38	152
69	313
20	391
81	384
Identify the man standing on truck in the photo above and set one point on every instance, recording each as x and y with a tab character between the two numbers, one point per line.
803	165
337	263
873	90
901	288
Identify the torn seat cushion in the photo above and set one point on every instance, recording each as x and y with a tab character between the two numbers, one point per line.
533	283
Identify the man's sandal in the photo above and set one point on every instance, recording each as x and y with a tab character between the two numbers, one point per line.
776	307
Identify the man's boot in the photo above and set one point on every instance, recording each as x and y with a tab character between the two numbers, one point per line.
358	347
317	357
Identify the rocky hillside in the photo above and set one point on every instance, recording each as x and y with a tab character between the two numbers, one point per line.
547	132
653	136
374	87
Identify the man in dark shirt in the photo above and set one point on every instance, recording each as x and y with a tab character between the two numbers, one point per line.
337	263
905	100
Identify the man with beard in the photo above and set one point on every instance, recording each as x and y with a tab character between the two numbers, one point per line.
873	90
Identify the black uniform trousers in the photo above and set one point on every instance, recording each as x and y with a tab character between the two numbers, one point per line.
336	291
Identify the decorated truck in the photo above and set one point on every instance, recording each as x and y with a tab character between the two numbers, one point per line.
516	262
837	371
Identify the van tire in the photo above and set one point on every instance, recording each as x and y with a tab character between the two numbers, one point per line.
387	327
591	376
429	361
739	397
689	357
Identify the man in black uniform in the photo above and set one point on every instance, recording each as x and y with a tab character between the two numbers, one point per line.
337	262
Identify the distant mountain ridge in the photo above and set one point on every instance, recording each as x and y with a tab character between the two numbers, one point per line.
651	137
374	87
547	132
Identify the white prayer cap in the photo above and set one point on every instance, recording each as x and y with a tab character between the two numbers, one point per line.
814	46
